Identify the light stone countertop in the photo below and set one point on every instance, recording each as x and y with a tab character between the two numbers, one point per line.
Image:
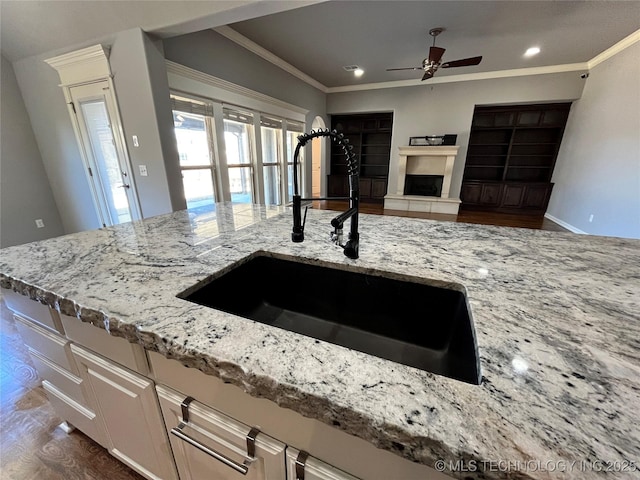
557	319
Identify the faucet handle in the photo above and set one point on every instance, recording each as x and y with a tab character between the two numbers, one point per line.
298	223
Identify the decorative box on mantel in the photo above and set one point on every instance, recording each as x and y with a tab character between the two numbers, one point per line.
424	180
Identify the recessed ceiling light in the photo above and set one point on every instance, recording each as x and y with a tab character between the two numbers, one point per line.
532	51
350	68
358	72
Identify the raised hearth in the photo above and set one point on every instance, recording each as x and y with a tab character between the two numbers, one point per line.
420	162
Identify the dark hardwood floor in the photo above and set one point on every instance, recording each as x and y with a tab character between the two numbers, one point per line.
31	445
485	218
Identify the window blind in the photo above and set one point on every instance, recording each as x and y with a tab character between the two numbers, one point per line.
187	105
237	116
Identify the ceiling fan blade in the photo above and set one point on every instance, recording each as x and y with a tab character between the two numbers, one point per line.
465	62
408	68
427	75
435	54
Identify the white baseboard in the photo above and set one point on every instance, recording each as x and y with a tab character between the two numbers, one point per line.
569	227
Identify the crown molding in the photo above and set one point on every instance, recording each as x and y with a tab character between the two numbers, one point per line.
467	77
615	49
210	80
87	64
250	45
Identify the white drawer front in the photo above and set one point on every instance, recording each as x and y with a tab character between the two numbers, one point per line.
50	345
33	310
314	469
62	379
77	415
224	436
97	339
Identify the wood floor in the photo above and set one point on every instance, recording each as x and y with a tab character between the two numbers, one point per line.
31	445
485	218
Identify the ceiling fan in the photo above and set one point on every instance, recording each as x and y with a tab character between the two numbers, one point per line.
431	64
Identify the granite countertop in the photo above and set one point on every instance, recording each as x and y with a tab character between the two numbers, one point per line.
557	319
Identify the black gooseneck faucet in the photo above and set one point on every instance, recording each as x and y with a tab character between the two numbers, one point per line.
352	246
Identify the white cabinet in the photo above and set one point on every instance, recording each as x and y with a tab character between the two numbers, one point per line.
302	466
208	444
127	407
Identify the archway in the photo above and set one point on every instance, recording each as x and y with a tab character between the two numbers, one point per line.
317	157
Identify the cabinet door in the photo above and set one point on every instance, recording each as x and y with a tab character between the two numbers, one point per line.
338	186
216	444
378	188
537	196
490	195
512	195
313	469
126	404
365	187
471	192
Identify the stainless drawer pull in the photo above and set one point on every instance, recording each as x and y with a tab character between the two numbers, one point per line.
301	463
242	468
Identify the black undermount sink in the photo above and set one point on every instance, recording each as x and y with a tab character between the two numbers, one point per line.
412	323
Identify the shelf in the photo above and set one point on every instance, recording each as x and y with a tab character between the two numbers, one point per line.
485	166
528	166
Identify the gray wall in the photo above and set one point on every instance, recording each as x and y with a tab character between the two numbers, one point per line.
45	103
448	108
212	53
598	168
25	194
139	78
141	85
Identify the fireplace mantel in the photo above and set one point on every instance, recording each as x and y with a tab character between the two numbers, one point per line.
424	160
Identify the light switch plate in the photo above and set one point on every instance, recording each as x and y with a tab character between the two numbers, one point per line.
143	170
135	141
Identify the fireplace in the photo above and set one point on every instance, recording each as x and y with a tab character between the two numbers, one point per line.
426	185
424	180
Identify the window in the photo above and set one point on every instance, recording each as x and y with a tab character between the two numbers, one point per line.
271	134
294	129
238	136
192	126
249	174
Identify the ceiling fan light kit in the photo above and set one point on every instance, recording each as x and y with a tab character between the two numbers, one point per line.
433	62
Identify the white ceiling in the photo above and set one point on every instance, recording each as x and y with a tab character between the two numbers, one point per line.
319	37
33	27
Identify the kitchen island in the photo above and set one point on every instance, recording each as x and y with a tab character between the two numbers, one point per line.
557	321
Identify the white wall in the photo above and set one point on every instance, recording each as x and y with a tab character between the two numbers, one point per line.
598	167
447	108
25	194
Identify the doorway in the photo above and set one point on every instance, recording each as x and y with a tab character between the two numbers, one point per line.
109	174
317	154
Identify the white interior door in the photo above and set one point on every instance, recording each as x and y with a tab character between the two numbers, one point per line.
109	172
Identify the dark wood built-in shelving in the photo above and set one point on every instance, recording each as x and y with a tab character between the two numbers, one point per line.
370	135
511	155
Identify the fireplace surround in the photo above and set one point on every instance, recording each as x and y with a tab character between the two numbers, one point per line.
424	161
